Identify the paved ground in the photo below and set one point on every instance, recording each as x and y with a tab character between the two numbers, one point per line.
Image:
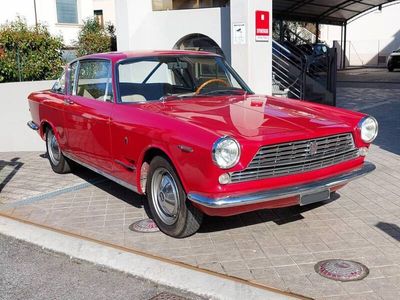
367	77
34	273
276	247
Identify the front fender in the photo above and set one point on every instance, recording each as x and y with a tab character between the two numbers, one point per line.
170	155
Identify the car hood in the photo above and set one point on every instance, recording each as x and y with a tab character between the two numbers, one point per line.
397	54
255	117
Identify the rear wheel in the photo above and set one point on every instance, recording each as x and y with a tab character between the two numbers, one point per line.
174	215
391	69
58	162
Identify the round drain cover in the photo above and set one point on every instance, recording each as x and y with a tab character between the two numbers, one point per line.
146	225
341	270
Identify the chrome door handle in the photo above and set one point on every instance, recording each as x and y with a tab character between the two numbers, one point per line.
68	101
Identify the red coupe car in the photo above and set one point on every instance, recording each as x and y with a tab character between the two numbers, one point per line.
185	130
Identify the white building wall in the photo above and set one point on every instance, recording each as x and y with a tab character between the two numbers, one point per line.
108	8
141	28
373	35
46	14
15	114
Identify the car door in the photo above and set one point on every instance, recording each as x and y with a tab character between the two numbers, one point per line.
139	81
53	111
87	115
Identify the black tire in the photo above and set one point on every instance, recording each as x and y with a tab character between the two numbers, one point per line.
391	69
58	162
187	219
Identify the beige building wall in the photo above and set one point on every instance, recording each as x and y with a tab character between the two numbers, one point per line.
108	8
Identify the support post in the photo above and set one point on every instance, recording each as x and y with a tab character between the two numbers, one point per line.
252	59
281	33
344	45
317	32
34	7
341	47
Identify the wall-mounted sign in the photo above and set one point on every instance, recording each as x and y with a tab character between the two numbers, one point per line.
239	33
262	26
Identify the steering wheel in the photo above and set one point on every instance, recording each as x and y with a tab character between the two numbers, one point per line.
215	80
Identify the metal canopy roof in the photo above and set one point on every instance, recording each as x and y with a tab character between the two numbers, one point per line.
335	12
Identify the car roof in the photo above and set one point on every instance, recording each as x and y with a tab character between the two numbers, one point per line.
117	56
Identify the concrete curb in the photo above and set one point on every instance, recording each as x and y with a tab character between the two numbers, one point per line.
159	271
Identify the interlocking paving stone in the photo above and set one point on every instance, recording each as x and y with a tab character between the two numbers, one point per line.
277	247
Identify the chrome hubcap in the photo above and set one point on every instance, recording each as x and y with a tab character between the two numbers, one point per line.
53	149
165	196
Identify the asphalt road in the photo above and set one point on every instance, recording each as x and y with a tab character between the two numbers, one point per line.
377	78
29	272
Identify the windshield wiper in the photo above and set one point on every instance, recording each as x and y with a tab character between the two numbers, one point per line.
225	92
176	97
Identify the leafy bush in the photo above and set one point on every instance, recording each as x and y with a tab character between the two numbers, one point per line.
30	52
93	38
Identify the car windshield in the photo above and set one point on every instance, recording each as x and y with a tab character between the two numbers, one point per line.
177	77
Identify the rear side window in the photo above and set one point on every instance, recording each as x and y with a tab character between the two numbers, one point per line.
94	80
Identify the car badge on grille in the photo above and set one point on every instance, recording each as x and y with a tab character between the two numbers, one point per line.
313	148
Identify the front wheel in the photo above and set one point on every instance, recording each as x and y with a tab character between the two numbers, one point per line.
58	162
173	214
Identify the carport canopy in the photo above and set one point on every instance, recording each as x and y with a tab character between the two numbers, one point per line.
333	12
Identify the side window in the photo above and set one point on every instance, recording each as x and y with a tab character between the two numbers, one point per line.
94	80
59	85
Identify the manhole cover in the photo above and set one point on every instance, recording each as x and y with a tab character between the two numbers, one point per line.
341	270
146	225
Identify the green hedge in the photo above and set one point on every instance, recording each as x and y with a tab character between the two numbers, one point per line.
93	38
31	53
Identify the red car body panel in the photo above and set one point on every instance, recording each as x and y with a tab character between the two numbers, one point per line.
115	137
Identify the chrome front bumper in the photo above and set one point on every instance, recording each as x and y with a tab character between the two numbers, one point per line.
282	193
32	125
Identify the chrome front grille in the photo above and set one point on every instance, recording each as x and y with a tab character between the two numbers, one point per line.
298	157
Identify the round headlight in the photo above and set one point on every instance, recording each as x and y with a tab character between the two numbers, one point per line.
369	129
226	152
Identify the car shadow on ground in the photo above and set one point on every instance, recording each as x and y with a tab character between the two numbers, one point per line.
279	216
8	169
389	126
110	187
390	229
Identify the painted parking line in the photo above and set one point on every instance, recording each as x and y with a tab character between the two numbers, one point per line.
48	195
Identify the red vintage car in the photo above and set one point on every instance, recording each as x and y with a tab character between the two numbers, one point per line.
185	130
